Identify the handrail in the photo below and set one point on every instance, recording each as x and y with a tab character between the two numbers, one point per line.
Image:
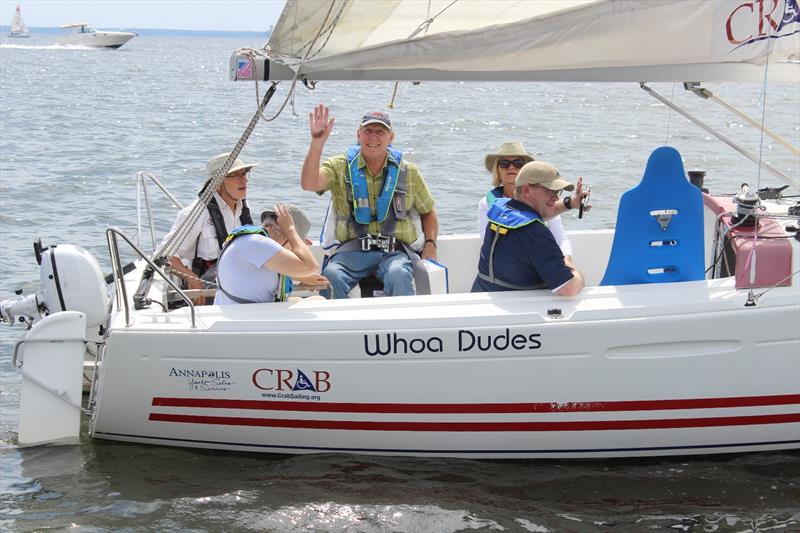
141	185
119	282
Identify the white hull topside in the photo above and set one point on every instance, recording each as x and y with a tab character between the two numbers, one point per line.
659	369
97	39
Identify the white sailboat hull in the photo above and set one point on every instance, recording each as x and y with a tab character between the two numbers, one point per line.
640	370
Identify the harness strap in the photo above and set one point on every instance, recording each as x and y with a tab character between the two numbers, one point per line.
218	220
284	282
398	209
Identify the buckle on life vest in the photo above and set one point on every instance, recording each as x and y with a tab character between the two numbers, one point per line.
385	243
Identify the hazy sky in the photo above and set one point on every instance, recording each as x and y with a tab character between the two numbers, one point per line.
246	15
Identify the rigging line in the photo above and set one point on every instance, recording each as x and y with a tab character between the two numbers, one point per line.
760	158
669	115
426	23
755	297
712	131
707	94
323	30
169	247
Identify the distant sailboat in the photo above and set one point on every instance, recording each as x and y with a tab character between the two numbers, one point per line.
18	27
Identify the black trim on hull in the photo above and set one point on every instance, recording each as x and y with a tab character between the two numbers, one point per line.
398	451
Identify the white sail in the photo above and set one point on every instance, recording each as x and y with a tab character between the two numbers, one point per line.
562	40
18	27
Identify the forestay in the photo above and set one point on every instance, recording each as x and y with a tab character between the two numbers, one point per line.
568	40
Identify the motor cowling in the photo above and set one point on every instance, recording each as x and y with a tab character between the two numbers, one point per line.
71	280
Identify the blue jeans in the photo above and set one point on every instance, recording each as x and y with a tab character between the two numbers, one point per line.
345	269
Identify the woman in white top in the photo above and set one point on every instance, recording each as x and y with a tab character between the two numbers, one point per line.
504	164
252	266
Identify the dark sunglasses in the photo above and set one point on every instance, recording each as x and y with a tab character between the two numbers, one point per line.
505	163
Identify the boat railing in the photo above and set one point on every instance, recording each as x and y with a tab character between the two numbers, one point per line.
120	290
141	194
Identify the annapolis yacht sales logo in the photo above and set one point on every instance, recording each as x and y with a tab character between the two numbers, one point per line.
204	380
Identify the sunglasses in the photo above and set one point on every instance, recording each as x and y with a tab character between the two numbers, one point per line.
505	163
556	194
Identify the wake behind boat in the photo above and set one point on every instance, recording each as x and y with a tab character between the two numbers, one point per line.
18	27
651	358
86	36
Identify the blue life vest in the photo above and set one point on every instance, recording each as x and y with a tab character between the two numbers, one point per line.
494	195
285	285
503	219
359	192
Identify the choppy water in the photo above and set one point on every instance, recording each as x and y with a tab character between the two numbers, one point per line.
75	127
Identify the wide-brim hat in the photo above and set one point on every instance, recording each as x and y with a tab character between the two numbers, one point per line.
511	149
544	174
215	164
301	222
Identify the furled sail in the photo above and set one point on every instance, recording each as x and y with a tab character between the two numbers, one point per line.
593	40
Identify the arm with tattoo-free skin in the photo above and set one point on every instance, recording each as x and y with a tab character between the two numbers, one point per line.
312	177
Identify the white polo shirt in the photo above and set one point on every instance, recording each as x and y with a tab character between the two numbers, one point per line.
202	234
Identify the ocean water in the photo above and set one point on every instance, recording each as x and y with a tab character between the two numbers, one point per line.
75	127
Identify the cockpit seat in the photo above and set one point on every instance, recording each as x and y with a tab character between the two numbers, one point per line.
659	232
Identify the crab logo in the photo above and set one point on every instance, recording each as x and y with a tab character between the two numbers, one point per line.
283	379
757	20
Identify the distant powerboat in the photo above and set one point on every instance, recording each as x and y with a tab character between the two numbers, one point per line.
18	27
86	36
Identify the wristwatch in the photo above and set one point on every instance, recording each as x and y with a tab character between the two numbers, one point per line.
568	202
430	241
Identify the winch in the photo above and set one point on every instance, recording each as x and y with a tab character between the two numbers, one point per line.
746	204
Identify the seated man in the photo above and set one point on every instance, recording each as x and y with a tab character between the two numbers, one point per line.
373	189
253	267
199	250
519	252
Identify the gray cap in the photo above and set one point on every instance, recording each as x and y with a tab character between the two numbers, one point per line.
301	222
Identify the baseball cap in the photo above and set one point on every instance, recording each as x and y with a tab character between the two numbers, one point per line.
544	174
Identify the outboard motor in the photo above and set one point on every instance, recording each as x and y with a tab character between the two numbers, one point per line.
70	280
68	310
746	204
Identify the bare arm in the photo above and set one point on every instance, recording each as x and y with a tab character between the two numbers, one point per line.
430	227
312	177
573	286
575	199
297	262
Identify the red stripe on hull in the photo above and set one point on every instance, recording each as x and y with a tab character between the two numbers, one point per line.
481	408
586	425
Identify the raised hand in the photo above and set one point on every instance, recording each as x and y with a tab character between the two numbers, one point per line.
320	123
579	195
285	222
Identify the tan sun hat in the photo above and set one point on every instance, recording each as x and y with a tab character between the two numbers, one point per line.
508	150
301	222
215	164
544	174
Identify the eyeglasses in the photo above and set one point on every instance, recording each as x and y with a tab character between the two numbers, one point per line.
239	174
505	163
557	194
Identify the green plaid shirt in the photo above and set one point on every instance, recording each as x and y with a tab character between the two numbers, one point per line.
417	197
